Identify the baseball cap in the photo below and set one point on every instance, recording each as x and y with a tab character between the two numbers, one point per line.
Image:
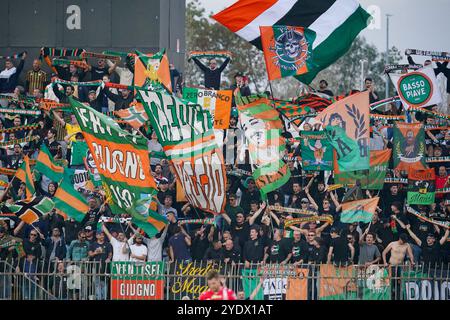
304	200
92	91
164	180
333	230
88	228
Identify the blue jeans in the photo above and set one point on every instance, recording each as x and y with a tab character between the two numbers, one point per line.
29	289
101	289
417	252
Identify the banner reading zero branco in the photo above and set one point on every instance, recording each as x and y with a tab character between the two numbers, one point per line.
418	88
217	102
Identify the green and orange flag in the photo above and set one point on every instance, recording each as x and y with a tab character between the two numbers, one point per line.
372	179
144	215
24	175
287	50
47	166
186	134
359	210
152	70
262	128
409	146
121	158
347	125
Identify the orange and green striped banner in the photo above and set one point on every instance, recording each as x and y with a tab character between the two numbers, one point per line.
46	165
69	202
287	50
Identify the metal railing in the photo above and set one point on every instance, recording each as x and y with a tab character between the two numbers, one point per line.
186	280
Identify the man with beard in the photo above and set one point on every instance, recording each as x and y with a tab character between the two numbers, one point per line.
278	251
212	74
93	215
240	229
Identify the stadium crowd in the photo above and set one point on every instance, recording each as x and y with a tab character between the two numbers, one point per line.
248	232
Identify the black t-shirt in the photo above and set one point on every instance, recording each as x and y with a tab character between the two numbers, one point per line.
198	248
233	254
254	250
431	254
91	218
341	251
318	255
241	232
106	250
278	251
298	250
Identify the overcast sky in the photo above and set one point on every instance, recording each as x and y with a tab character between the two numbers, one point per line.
415	24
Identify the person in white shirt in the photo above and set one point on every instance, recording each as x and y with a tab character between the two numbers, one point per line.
154	244
121	250
138	251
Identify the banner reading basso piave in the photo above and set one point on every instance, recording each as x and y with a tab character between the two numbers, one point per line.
187	137
121	158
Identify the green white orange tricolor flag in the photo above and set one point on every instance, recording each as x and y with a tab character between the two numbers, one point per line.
69	201
47	166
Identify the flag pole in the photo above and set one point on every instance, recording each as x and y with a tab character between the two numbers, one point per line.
7	188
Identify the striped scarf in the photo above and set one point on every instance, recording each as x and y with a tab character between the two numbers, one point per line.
61	52
24	100
208	221
381	103
80	84
430	113
15	141
25	127
8	172
79	64
21	111
210	54
444	224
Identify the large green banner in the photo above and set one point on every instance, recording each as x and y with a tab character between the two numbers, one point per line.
317	153
186	134
121	158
